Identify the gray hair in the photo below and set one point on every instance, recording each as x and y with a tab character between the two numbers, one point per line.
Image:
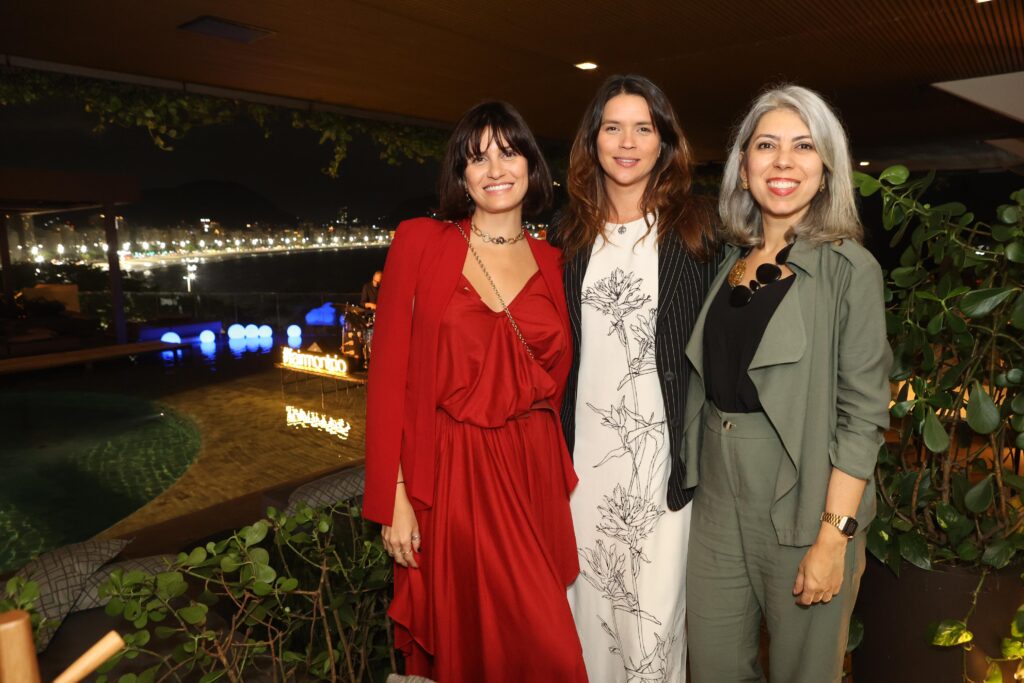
833	212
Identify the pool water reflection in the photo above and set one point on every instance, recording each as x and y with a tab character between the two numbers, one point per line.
74	463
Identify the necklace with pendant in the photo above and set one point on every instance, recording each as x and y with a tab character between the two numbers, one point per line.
499	239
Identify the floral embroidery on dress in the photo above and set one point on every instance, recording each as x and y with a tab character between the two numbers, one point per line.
629	513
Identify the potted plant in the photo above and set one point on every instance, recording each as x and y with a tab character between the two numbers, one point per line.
298	596
948	478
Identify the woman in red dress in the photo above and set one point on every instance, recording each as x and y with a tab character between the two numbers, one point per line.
466	467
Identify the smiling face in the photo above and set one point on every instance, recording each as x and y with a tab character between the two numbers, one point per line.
496	178
627	143
782	167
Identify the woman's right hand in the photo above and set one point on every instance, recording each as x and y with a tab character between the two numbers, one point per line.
402	538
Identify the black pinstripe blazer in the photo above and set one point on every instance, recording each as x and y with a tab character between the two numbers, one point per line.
682	285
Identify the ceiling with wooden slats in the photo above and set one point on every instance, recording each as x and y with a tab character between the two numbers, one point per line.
431	59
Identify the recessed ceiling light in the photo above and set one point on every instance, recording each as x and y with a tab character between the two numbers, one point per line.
981	1
586	66
864	163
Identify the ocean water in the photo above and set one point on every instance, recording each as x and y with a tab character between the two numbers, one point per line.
328	270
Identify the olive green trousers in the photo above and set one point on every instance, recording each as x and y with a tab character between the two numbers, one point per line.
737	572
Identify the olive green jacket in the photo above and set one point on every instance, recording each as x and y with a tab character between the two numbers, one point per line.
821	373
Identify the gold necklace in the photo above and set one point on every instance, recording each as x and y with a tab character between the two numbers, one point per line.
499	239
737	272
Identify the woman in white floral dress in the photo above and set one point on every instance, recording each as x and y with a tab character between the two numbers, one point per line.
639	256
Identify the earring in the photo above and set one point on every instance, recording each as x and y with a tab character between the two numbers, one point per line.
744	185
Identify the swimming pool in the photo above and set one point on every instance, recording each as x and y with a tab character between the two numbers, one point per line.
73	463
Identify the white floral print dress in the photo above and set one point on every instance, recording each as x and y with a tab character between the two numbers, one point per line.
629	599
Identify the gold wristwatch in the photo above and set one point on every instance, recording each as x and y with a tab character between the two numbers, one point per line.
846	525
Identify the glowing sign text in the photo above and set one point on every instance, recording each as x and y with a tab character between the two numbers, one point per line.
301	418
314	363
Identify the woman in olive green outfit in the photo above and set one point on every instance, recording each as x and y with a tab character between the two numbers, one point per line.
787	406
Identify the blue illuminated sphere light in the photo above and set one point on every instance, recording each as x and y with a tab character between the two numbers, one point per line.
251	331
295	342
171	338
208	349
236	331
294	331
265	331
322	315
207	337
237	346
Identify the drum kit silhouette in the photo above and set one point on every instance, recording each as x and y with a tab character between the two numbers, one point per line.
357	334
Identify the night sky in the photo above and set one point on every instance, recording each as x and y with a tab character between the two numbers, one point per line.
285	169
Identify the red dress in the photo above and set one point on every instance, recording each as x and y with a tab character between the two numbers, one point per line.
488	602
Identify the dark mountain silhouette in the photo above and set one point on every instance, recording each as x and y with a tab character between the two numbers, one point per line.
230	204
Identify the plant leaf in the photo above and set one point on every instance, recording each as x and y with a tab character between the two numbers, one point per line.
1017	625
1015	251
914	549
866	185
1017	314
998	553
193	614
968	551
1013	648
982	414
1014	481
951	632
981	302
935	437
895	175
994	674
979	497
856	633
1008	214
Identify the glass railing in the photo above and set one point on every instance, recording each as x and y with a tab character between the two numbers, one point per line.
271	308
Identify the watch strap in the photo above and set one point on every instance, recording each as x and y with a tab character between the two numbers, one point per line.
841	522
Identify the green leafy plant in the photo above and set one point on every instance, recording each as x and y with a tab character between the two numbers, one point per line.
949	485
290	597
21	594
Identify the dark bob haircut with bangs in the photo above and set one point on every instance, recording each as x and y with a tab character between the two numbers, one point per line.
473	132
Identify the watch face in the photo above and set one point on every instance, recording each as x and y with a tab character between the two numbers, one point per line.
850	527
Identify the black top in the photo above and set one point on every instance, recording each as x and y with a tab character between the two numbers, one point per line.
731	337
369	294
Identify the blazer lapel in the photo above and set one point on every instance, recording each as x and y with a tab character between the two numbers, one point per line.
575	271
670	256
695	347
784	339
449	258
547	260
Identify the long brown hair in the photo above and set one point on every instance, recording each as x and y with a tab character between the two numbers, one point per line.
667	194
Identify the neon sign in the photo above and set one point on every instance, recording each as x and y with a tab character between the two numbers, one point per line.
300	418
313	363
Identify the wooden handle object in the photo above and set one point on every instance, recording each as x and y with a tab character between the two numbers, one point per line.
107	646
17	650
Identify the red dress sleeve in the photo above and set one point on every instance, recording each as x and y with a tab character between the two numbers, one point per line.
385	392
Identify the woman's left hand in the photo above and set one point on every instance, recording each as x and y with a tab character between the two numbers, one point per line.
821	571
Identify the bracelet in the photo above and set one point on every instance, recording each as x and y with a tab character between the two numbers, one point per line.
400	481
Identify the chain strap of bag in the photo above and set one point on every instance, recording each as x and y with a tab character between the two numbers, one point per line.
494	287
